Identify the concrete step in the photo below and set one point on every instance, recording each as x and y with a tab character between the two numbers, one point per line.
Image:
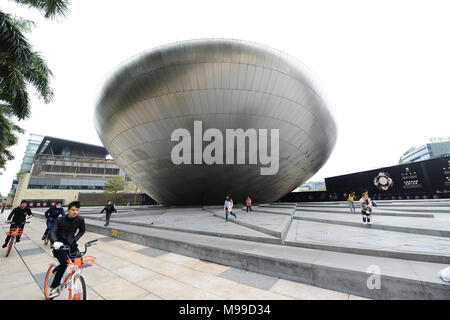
443	202
279	233
380	243
418	209
288	206
437	208
375	225
426	257
406	206
279	237
345	272
283	211
377	209
263	237
283	203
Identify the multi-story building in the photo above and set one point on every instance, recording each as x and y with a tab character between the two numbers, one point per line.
310	186
62	169
434	149
33	144
10	197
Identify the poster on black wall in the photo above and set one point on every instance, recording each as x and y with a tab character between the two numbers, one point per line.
399	179
439	174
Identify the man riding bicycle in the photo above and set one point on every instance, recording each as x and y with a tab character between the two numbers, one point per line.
62	233
17	218
51	215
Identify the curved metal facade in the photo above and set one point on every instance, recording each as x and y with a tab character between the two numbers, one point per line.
226	84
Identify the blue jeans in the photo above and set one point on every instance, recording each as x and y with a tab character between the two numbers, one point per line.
352	206
49	225
365	216
226	214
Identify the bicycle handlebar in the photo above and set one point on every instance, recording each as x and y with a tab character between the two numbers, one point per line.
86	245
6	222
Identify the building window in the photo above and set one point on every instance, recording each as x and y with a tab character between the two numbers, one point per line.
66	151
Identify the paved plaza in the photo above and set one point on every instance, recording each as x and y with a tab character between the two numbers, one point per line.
278	251
128	271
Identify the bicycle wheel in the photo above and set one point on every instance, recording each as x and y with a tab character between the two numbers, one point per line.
48	280
78	289
10	245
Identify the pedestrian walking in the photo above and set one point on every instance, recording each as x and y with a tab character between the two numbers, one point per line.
109	209
350	199
228	207
51	215
3	206
366	207
248	203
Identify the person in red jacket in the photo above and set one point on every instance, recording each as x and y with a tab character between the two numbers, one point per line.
248	203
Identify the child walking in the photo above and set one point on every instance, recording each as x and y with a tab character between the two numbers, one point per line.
366	207
228	207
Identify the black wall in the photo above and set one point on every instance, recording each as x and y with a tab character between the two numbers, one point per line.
418	180
99	198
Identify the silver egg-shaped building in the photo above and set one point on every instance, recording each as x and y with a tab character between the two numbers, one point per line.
220	84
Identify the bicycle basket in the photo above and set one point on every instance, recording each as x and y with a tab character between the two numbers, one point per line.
82	262
14	231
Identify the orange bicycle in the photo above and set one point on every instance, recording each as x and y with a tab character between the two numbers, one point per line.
13	233
73	280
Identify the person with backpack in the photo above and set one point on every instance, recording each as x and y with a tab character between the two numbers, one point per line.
228	207
51	215
366	207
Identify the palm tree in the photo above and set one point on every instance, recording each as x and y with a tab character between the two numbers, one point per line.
20	65
7	136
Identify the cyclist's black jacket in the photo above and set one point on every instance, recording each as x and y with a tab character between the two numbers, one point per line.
53	213
63	230
18	215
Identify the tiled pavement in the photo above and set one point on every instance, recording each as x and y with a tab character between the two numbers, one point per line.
128	271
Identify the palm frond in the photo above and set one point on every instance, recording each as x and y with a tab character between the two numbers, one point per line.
20	65
14	48
23	25
50	8
37	73
7	137
13	90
